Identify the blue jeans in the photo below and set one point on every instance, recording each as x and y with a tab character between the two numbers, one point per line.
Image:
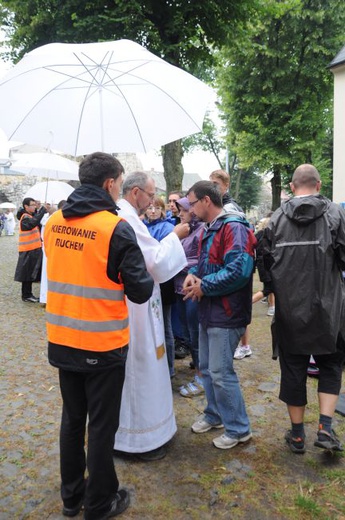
169	338
225	402
188	314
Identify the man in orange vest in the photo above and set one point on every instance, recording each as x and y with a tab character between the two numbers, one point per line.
29	264
93	261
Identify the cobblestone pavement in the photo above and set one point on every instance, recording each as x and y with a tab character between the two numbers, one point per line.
192	481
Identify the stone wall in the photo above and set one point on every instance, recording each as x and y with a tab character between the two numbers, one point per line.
13	187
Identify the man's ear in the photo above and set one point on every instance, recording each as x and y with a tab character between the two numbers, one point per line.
106	184
292	187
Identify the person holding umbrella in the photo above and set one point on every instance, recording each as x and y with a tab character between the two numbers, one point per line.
29	263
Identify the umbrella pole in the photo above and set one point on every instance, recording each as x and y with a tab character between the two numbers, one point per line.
46	195
101	117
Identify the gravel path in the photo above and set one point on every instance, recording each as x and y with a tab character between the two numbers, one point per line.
195	480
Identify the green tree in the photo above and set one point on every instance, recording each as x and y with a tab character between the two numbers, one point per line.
208	140
180	31
245	186
276	90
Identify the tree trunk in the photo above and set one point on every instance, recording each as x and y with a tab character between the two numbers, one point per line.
172	154
276	184
235	192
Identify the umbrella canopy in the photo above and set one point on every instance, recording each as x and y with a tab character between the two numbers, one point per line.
4	150
47	165
50	191
7	205
108	96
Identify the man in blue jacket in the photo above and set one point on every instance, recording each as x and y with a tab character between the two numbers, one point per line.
222	283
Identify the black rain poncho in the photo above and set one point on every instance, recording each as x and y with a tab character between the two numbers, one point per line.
304	248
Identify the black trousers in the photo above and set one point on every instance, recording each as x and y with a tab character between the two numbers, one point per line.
26	289
98	396
293	383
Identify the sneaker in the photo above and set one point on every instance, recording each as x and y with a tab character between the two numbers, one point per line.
270	311
225	443
312	370
242	351
203	426
264	299
181	350
192	389
328	441
296	444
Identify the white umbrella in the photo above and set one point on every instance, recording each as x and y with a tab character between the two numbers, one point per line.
4	149
108	96
7	205
50	191
48	165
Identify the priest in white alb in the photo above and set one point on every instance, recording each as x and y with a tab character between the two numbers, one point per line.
147	420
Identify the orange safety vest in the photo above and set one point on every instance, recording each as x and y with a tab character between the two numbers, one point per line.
29	240
85	309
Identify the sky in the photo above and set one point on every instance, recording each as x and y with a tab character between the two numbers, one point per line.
202	163
199	162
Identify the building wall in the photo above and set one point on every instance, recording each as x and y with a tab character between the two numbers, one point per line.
339	135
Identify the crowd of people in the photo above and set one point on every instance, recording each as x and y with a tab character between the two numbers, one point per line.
126	277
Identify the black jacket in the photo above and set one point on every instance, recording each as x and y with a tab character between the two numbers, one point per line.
304	248
125	262
29	263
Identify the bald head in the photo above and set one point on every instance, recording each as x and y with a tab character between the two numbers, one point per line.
306	179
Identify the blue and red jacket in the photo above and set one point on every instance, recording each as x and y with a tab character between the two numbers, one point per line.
226	265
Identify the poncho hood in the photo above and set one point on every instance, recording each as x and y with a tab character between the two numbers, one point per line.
304	210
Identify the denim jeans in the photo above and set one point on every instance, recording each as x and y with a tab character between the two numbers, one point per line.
169	339
224	397
188	314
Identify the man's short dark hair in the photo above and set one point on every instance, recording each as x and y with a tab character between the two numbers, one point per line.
98	167
27	201
179	193
203	188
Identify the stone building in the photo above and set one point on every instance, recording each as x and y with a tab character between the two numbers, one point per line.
337	66
13	186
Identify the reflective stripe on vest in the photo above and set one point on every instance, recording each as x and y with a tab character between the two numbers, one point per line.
29	240
89	326
85	309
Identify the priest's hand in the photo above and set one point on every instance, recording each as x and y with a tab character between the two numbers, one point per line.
182	230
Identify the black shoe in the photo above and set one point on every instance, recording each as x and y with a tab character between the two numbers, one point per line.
31	299
150	456
72	511
118	505
328	441
296	444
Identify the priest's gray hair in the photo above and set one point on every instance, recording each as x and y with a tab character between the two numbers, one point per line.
135	180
